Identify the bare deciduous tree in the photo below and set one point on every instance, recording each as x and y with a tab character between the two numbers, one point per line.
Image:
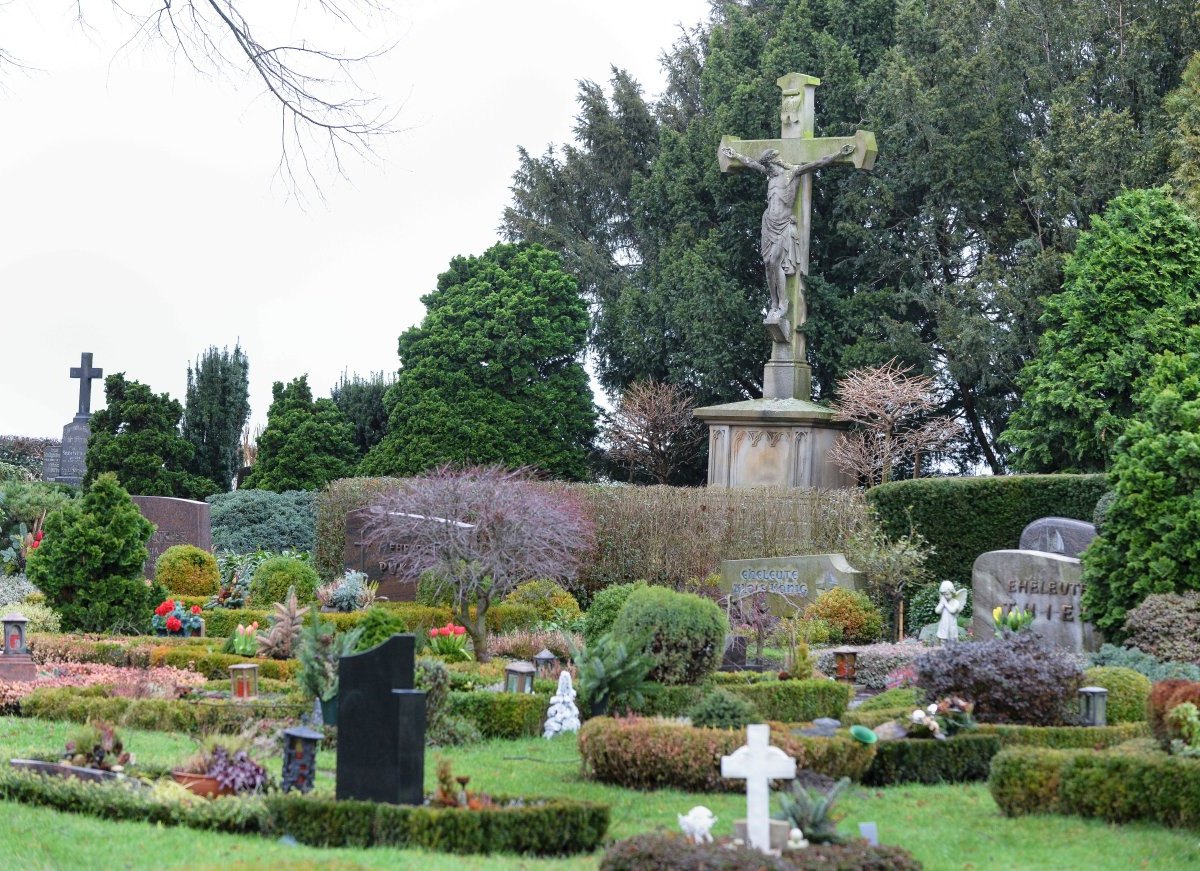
652	430
479	532
889	407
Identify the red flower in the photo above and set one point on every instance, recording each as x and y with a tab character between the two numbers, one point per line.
445	630
195	609
173	624
433	633
459	630
34	545
39	535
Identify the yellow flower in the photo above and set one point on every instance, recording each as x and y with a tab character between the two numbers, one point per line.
996	614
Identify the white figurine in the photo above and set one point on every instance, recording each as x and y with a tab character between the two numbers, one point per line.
796	840
697	824
563	715
949	606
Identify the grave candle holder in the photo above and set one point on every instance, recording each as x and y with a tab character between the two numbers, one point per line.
518	677
846	659
244	680
14	635
544	660
1093	706
299	758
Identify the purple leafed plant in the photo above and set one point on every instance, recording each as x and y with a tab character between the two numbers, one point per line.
238	772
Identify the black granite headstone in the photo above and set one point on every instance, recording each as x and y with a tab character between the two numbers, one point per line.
381	725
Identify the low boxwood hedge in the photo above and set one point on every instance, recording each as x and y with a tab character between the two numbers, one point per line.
542	827
787	701
501	715
1065	737
655	851
1028	780
964	757
419	619
215	665
662	754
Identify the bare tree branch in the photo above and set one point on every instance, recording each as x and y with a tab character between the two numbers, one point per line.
652	430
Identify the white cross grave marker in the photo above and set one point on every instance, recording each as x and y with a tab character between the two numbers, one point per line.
758	763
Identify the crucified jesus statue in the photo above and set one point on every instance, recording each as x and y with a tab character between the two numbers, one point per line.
779	245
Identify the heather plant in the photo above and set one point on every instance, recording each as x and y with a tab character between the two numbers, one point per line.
876	664
481	531
683	634
850	611
527	643
1167	625
1010	680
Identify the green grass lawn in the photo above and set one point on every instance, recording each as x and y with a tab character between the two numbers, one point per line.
947	827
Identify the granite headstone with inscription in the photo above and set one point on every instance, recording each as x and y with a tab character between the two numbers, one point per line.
1048	585
790	582
377	559
1058	535
381	725
176	521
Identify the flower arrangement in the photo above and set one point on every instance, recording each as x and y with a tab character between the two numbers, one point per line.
22	544
452	791
943	719
449	642
1014	621
97	746
245	640
172	618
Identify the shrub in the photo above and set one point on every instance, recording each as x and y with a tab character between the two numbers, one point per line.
922	609
657	851
662	754
1127	692
548	599
378	625
42	618
683	633
904	697
1028	780
606	606
1144	663
875	662
851	611
526	644
90	562
215	666
186	570
1010	680
501	715
1167	626
1065	737
720	709
1121	788
248	520
797	701
273	578
1164	696
26	501
960	518
14	589
964	757
442	728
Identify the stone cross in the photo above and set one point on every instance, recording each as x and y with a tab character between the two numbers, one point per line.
85	373
758	763
785	238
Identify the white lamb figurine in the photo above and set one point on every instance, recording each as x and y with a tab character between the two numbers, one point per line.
698	824
563	715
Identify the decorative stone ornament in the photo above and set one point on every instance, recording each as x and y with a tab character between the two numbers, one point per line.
697	824
846	659
1093	706
563	715
14	634
244	680
299	758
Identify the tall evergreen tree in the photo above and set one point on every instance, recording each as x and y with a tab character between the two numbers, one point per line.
217	408
361	400
493	374
137	437
306	443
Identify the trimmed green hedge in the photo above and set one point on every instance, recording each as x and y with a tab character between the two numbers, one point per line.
964	517
1028	780
1065	737
501	715
215	665
959	759
787	701
549	827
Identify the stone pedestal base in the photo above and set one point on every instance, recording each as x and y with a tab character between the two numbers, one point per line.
17	666
772	443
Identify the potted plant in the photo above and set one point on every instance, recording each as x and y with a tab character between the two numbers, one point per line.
321	646
221	766
172	618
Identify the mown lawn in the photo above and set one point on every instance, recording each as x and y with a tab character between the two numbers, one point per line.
946	827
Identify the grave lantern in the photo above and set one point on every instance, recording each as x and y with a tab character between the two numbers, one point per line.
518	677
244	678
14	634
299	758
846	658
1093	706
544	660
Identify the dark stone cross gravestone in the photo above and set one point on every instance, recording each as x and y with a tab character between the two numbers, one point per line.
381	725
85	373
68	464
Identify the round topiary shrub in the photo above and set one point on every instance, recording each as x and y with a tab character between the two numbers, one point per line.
606	605
682	633
721	709
546	597
1127	692
273	577
850	611
1167	626
186	570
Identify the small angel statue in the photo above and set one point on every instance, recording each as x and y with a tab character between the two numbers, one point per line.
949	606
697	824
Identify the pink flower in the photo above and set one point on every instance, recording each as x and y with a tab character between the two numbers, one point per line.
445	630
433	633
459	630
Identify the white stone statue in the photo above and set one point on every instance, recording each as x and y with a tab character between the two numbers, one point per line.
697	825
563	715
949	606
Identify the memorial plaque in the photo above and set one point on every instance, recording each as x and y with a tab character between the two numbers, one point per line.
377	559
1058	535
1048	585
51	462
176	521
791	583
72	465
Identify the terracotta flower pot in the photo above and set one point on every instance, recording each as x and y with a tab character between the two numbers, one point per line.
201	784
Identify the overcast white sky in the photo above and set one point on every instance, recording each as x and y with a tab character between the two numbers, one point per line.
141	219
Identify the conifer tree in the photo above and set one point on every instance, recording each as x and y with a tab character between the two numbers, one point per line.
218	406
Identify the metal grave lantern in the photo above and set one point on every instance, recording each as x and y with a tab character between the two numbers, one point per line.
518	677
544	661
1093	706
299	758
846	659
14	634
244	678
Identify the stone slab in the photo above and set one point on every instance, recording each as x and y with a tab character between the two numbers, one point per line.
1061	535
51	462
1047	584
72	462
791	583
377	559
176	521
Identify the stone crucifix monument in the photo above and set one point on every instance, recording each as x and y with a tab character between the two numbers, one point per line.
65	464
758	763
782	439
